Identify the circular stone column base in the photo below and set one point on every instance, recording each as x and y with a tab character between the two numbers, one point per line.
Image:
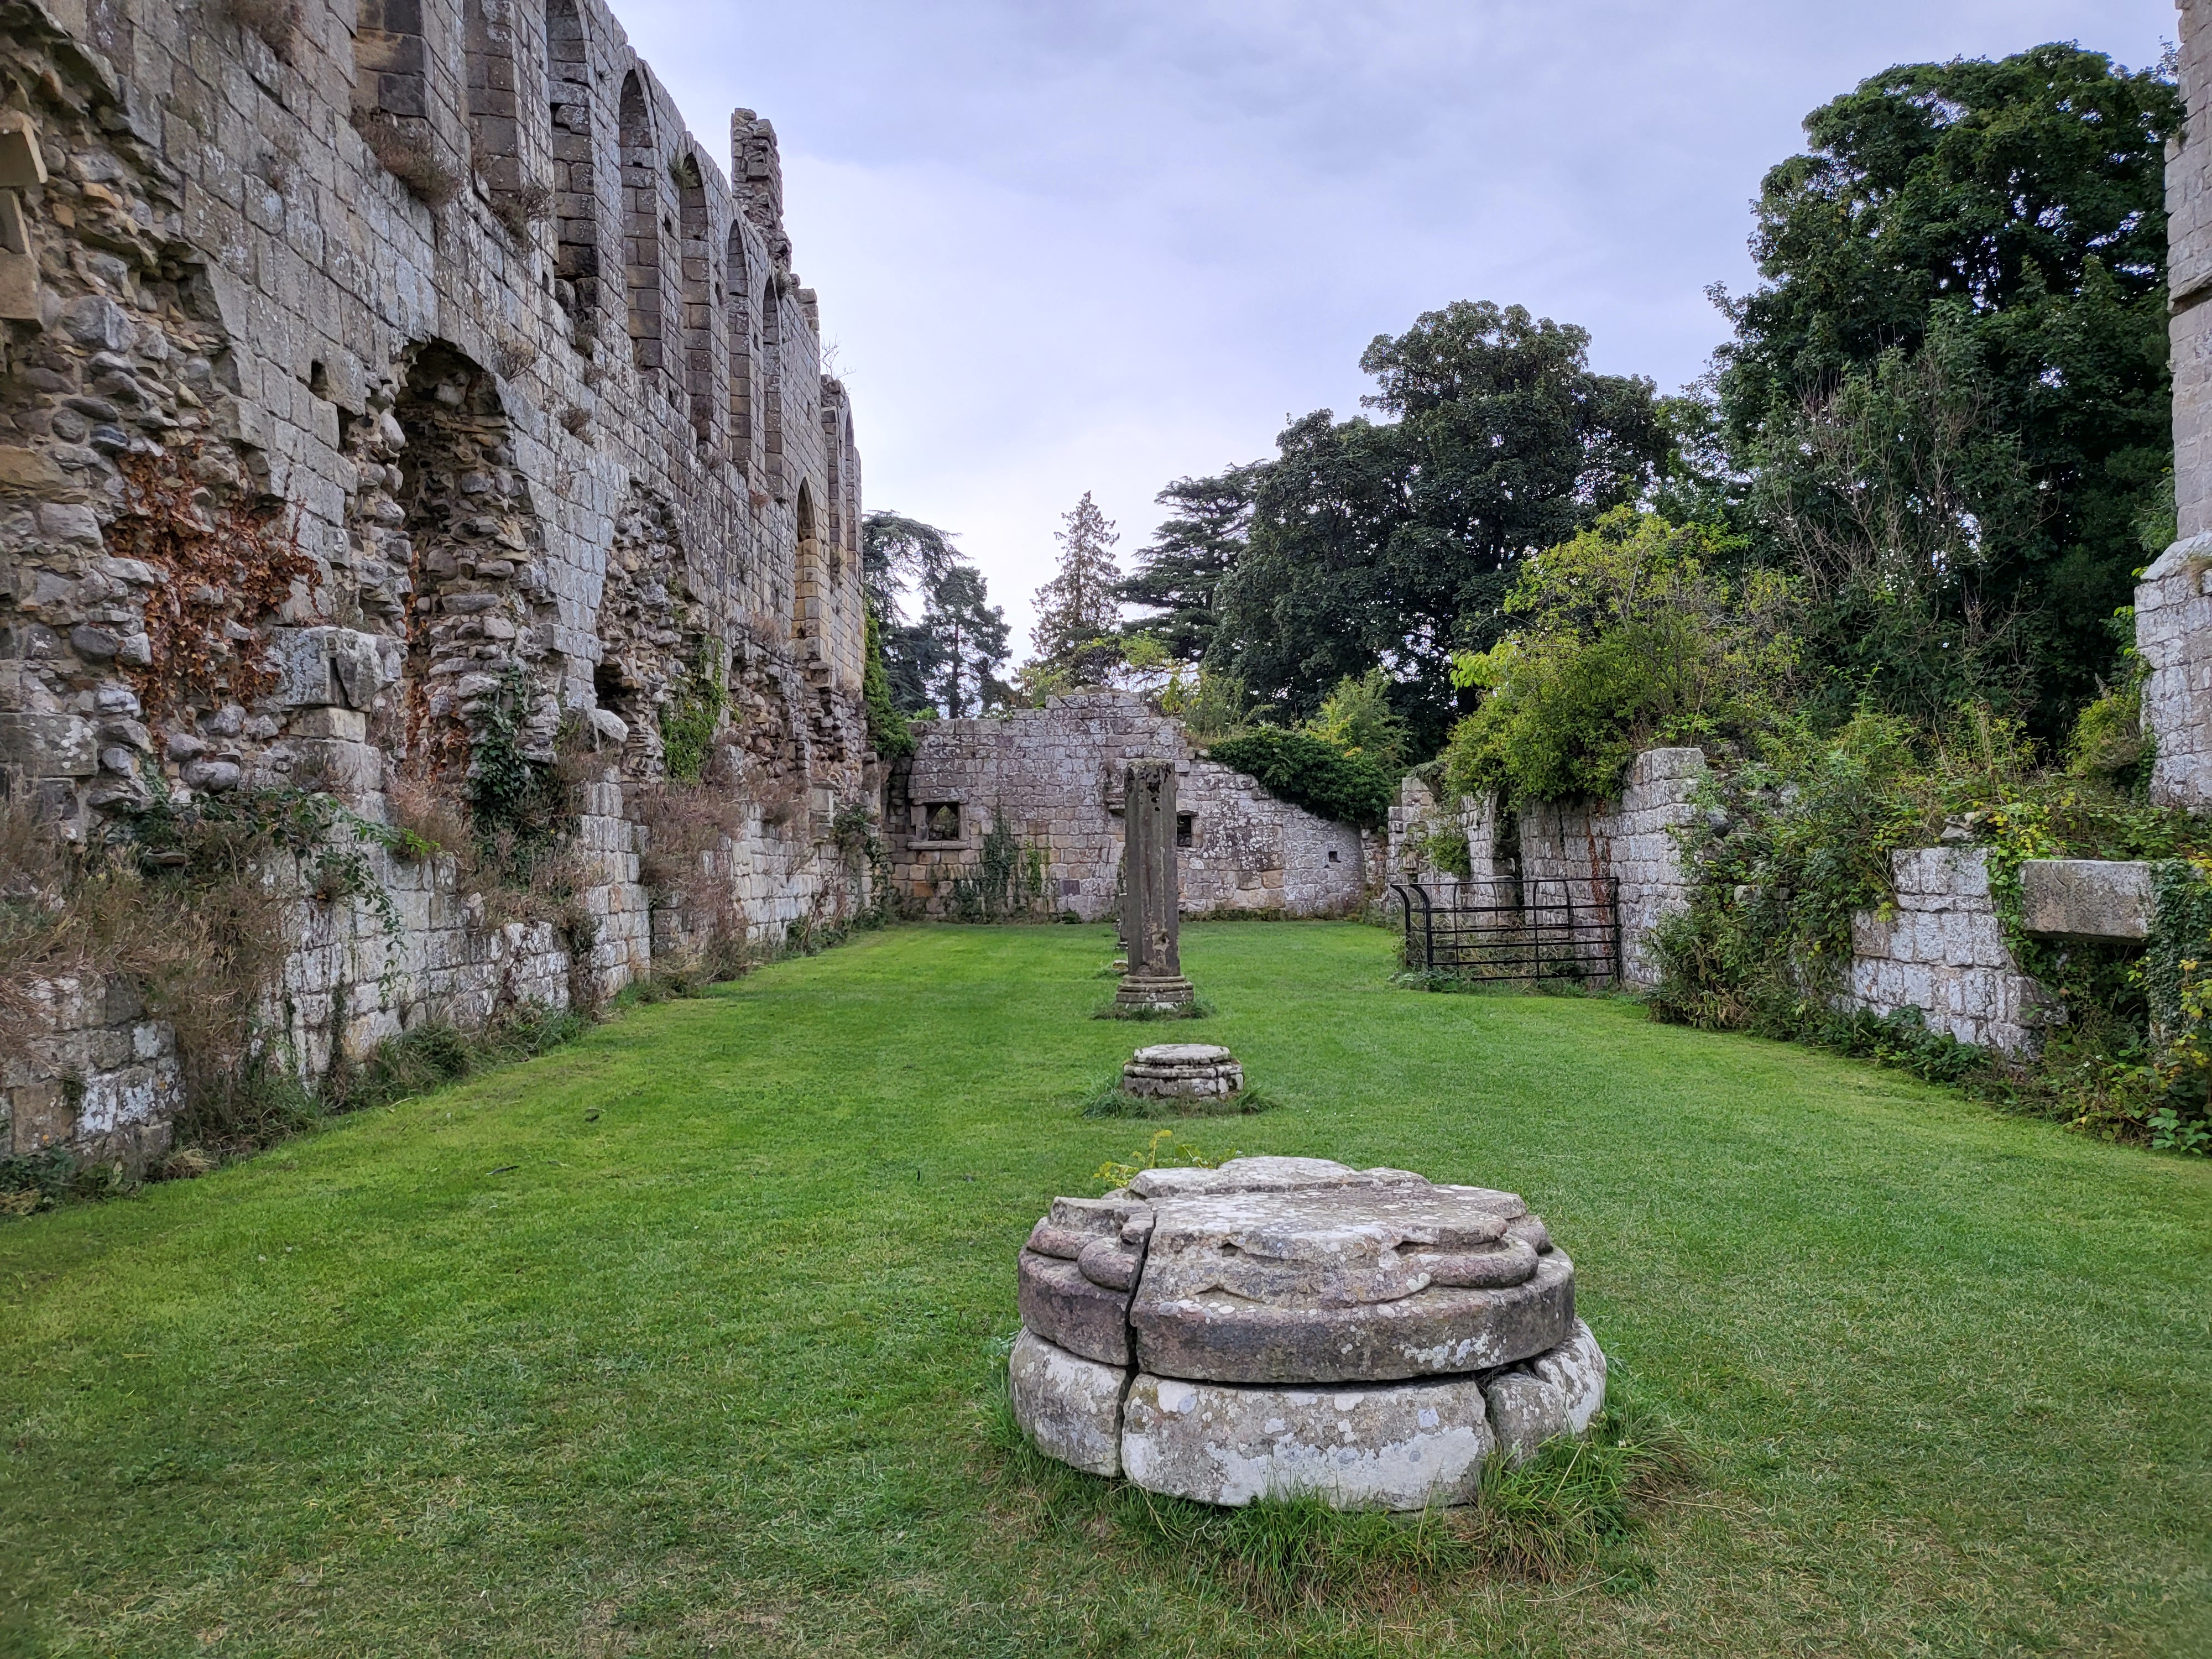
1388	1446
1165	996
1183	1071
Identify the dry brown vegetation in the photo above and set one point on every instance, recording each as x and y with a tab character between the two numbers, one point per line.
410	155
276	21
199	940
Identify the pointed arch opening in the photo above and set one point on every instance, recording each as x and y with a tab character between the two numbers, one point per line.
575	170
695	278
738	277
641	191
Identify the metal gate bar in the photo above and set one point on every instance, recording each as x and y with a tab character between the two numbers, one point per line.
1515	932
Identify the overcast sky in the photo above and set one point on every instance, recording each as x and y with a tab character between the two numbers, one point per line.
1066	245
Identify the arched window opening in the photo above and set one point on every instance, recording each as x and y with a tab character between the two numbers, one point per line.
641	189
809	601
575	177
697	276
495	106
772	387
742	346
836	491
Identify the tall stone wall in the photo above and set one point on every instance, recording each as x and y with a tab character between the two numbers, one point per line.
1054	777
2173	605
395	372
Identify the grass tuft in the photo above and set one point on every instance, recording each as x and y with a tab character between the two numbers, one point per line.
1114	1102
1196	1008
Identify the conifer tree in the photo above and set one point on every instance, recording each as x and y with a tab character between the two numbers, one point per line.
1082	602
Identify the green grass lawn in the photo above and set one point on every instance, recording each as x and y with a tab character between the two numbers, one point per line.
679	1341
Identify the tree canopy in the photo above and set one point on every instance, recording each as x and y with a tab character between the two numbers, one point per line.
1391	541
2012	212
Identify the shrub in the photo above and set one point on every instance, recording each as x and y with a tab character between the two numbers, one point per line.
889	732
1630	640
1310	773
1357	719
694	715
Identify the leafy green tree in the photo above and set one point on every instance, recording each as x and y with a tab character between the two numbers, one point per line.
1178	575
1394	541
2017	204
1357	717
1081	604
1625	636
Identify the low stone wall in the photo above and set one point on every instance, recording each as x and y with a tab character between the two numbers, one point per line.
1559	853
101	1074
1053	776
1942	950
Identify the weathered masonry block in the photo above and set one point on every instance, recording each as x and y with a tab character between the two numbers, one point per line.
2173	605
503	401
1941	951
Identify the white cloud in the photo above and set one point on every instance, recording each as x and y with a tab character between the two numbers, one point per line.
1097	246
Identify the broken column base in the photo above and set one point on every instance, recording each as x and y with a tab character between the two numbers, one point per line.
1165	996
1404	1445
1183	1071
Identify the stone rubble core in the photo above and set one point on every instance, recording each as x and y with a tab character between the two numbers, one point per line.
1183	1071
1284	1325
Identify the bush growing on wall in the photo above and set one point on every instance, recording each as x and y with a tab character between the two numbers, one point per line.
1628	638
1792	844
1310	773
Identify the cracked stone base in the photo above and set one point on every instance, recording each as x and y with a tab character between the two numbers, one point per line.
1395	1446
1391	1445
1069	1406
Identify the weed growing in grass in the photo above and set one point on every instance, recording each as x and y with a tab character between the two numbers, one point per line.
1162	1151
1112	1101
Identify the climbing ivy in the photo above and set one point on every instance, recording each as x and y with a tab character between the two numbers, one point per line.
1008	880
695	715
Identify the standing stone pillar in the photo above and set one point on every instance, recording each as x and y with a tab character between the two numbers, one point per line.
1151	898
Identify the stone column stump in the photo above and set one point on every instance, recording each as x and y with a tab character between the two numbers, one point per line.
1151	903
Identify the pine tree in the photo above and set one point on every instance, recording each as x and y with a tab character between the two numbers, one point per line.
1082	602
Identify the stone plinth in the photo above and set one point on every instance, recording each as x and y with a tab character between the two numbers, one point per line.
1183	1071
1152	900
1290	1324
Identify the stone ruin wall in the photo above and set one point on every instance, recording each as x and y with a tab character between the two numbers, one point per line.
1551	854
2173	603
1053	776
562	439
1942	950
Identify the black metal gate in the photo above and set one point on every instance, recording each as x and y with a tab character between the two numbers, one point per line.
1509	931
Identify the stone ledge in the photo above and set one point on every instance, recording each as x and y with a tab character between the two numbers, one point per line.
2088	898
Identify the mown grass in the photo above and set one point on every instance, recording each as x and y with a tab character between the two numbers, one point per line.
679	1340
